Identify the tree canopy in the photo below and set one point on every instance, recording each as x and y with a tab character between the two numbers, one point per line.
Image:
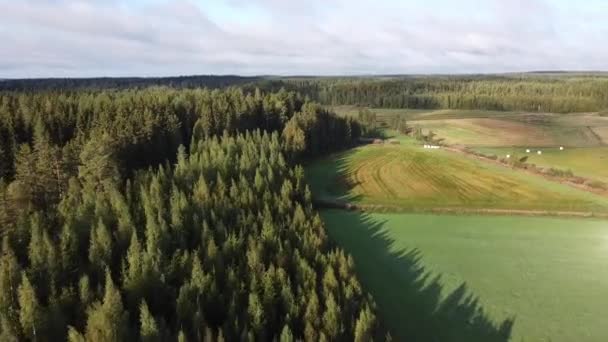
164	215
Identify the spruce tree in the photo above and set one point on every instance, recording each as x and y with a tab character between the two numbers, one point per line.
148	327
31	312
107	321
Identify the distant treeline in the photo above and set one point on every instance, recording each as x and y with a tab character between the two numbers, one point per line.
170	215
534	93
123	82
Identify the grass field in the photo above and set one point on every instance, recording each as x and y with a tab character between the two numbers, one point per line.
409	177
468	278
476	278
586	162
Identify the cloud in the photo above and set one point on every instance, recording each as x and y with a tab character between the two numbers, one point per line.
61	38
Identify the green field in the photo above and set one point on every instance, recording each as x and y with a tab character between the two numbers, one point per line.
408	177
585	162
468	278
476	278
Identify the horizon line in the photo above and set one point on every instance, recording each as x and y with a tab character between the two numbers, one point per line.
366	75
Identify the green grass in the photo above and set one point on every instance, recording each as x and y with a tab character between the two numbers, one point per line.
408	177
585	162
468	278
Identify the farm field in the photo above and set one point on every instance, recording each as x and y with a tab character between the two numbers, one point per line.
384	114
494	128
409	178
480	278
586	162
507	132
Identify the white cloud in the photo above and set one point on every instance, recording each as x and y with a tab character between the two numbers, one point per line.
118	38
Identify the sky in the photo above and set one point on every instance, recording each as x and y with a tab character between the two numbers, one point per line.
91	38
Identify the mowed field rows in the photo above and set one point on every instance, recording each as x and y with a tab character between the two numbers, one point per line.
468	278
409	177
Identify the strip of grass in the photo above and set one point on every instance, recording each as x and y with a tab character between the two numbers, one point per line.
468	278
589	162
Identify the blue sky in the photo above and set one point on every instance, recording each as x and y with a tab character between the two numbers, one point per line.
82	38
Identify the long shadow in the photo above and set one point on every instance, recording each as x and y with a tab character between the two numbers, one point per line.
411	300
329	178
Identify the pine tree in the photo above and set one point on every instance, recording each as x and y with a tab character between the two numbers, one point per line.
365	325
286	335
98	163
100	248
331	318
47	166
30	312
5	213
107	321
74	335
10	277
8	333
181	337
148	328
256	312
25	176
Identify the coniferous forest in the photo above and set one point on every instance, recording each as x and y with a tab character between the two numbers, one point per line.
163	214
156	210
531	92
556	93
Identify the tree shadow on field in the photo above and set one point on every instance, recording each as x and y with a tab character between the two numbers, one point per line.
331	182
410	298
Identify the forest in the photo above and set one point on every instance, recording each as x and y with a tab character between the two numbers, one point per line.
177	209
532	92
165	214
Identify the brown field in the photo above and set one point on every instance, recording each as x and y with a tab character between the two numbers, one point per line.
602	133
488	132
538	130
